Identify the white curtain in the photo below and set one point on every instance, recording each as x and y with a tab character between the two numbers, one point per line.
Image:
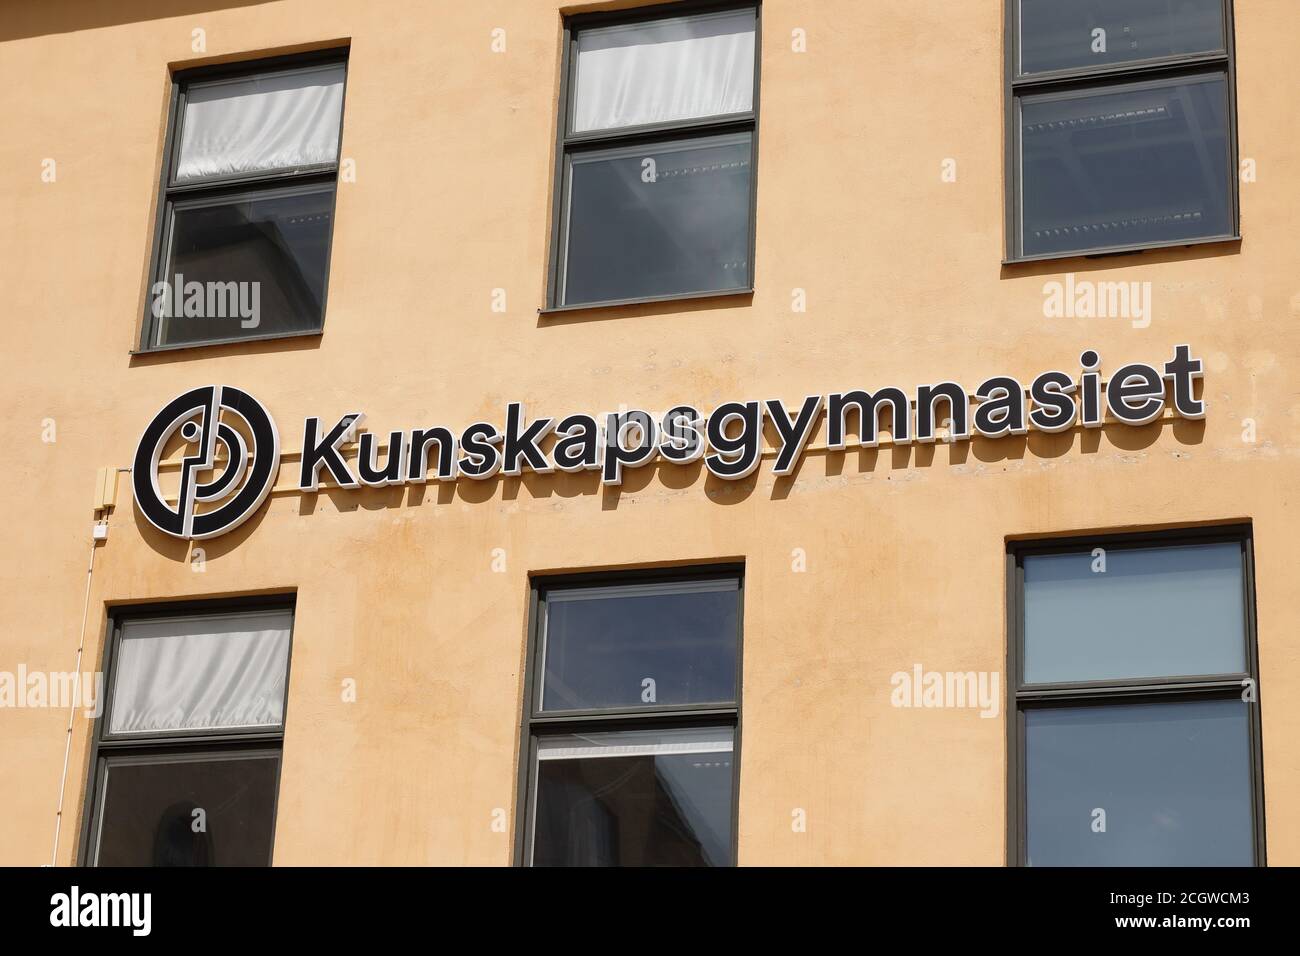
201	673
276	121
665	70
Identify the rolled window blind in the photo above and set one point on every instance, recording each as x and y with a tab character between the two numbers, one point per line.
664	70
201	673
262	123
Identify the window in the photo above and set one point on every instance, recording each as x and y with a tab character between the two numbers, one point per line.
186	757
655	161
1121	125
631	720
246	211
1136	736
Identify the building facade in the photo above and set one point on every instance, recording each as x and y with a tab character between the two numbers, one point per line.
783	432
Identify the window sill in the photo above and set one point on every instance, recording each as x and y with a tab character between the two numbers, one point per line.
645	300
234	340
1105	251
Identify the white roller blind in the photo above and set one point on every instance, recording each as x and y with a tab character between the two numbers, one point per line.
635	743
206	672
664	70
260	123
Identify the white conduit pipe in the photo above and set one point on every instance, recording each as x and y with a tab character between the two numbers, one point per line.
76	696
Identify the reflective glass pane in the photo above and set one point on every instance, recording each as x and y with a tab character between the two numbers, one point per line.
149	810
657	220
1073	34
1131	613
638	798
1132	165
643	645
1163	784
664	70
245	267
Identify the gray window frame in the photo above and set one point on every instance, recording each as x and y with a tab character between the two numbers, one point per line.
1096	80
567	143
178	745
535	723
1022	696
232	187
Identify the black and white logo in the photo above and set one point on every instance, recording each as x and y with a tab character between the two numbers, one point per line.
231	460
232	451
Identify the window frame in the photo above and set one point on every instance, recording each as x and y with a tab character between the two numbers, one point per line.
535	724
1096	79
175	745
235	185
567	143
1022	696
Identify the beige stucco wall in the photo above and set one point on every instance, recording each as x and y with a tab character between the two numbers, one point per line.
453	149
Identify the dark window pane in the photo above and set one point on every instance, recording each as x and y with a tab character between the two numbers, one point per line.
603	645
1173	780
274	251
1153	612
658	220
640	798
1129	166
1059	34
148	818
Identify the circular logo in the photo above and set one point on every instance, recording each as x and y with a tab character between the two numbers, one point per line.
230	461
